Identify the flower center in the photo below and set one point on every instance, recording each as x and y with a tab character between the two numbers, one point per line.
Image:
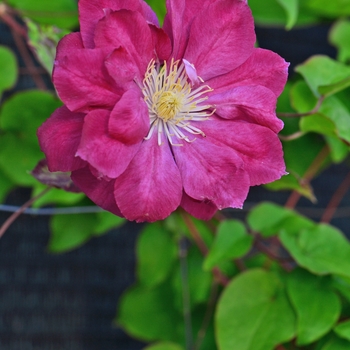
173	106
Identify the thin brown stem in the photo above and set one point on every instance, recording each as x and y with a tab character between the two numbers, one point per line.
309	175
20	210
297	115
336	199
6	17
197	238
291	137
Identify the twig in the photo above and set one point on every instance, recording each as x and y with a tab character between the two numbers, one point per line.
291	137
297	115
336	199
10	21
15	215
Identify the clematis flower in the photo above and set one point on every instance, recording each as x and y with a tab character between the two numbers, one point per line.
160	118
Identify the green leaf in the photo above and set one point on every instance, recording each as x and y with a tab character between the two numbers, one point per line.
339	150
321	249
8	69
266	218
232	241
317	123
6	185
339	37
335	8
291	7
164	346
307	292
343	330
253	313
322	71
159	8
43	39
342	285
61	13
149	314
106	222
267	12
336	344
70	231
156	254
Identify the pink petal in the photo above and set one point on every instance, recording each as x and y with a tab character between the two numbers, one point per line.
191	73
129	30
161	42
259	148
123	68
59	138
263	67
222	37
82	81
202	210
150	189
98	190
178	20
68	44
91	11
212	173
129	121
255	104
109	156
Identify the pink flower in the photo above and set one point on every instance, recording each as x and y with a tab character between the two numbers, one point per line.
157	118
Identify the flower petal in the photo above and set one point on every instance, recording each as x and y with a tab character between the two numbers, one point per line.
59	138
82	81
255	104
178	20
68	44
91	11
222	37
99	191
129	30
109	156
258	147
162	42
150	189
263	67
212	173
129	121
202	210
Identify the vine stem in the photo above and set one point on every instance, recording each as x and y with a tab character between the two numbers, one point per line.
297	115
219	276
20	210
336	199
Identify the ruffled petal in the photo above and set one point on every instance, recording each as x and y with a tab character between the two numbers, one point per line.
129	121
178	20
255	104
150	189
263	67
99	191
91	11
68	44
212	173
129	30
222	37
161	42
202	210
82	81
59	138
109	156
259	148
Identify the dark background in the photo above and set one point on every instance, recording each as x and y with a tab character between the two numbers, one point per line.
69	301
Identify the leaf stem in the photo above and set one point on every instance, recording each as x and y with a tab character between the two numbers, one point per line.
297	115
20	210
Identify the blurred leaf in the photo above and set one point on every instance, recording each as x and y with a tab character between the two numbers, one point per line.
342	284
317	123
307	292
6	186
70	231
25	111
61	13
322	71
339	37
199	281
291	7
336	344
159	8
164	346
339	150
149	314
156	254
343	330
253	313
44	39
8	69
268	12
232	241
334	8
322	249
106	222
